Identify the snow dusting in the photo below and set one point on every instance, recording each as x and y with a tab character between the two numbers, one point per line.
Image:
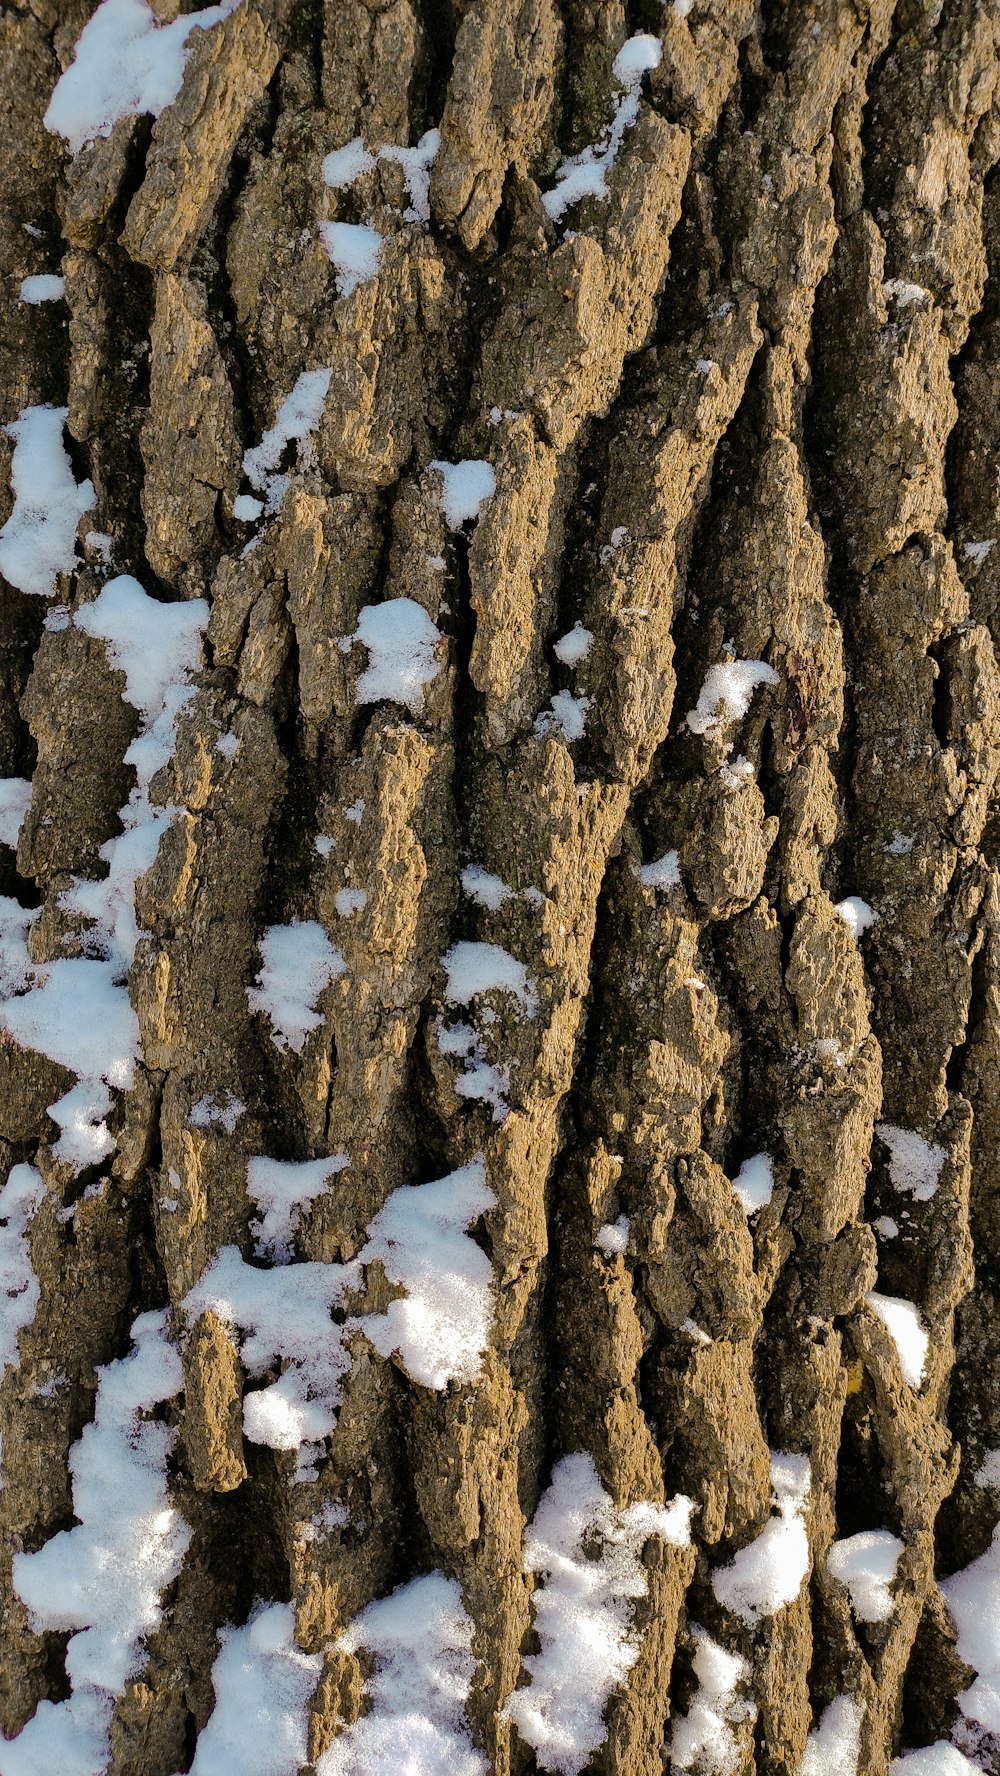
125	63
102	1579
421	1639
480	1081
769	1573
466	487
586	174
914	1164
344	165
299	961
404	653
38	541
263	1684
582	1609
866	1564
565	712
902	1319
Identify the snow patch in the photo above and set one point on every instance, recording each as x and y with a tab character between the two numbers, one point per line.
727	693
474	968
218	1110
38	541
565	712
485	889
664	872
262	1684
466	487
43	287
914	1164
125	63
85	1139
769	1573
754	1183
866	1564
354	251
833	1748
282	1189
573	647
15	800
973	1597
857	915
421	1638
404	649
589	1642
586	174
294	423
299	962
977	552
613	1236
20	1290
703	1739
902	1320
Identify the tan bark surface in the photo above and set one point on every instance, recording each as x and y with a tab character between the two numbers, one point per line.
743	406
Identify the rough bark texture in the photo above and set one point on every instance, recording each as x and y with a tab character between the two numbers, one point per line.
718	419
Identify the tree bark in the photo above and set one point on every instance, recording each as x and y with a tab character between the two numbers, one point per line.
728	605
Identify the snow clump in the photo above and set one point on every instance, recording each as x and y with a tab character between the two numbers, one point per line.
294	423
769	1573
914	1164
282	1189
263	1684
754	1183
726	694
466	488
901	1319
22	1194
404	649
834	1747
866	1564
474	968
38	541
586	174
703	1739
299	961
354	251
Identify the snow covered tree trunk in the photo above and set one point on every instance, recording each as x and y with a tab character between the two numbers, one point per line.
500	957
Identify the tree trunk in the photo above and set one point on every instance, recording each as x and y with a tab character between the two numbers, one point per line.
499	697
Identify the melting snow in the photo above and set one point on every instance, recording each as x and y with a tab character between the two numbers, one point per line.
582	1616
222	1110
346	164
866	1564
769	1573
299	961
664	872
585	174
262	1685
349	901
124	63
914	1164
404	649
422	1641
977	552
38	541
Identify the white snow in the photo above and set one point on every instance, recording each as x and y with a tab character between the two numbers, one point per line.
299	962
349	901
421	1638
664	872
769	1573
566	712
38	541
735	773
246	509
485	889
440	1327
22	1194
15	800
262	1685
939	1759
973	1597
902	1320
85	1138
900	845
703	1739
903	294
283	1314
582	1616
103	1578
124	63
887	1227
833	1748
356	811
754	1183
866	1564
355	252
857	915
156	645
480	1081
466	487
585	174
43	287
221	1109
914	1164
573	647
404	653
78	1014
416	164
296	419
343	165
988	1474
613	1236
282	1189
474	968
726	694
977	552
